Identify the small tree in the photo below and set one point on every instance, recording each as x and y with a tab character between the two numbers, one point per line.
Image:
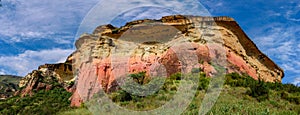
139	77
259	90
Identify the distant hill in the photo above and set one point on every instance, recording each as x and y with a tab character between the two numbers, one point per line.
8	85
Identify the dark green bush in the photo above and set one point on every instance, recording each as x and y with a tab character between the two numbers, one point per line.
121	96
236	80
176	76
294	99
290	97
291	88
203	82
259	90
139	77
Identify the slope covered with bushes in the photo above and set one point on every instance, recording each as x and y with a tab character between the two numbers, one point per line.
240	95
41	103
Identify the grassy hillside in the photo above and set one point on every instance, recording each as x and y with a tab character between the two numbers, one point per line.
41	103
240	95
10	79
8	84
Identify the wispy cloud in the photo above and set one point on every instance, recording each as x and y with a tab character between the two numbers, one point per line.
214	5
281	43
293	11
2	72
40	19
297	81
40	24
141	13
40	31
29	60
292	15
109	10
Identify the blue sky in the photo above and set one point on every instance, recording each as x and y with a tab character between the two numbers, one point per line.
36	32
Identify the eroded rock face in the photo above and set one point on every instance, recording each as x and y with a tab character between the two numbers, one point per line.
169	45
47	77
139	46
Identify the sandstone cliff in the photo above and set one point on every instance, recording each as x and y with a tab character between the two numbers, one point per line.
94	64
144	45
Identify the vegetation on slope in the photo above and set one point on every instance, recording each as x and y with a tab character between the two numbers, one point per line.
8	85
41	103
10	79
240	95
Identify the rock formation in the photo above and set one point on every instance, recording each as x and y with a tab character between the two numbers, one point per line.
170	45
47	77
147	43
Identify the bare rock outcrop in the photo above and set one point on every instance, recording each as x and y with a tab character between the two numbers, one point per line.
47	77
99	55
171	44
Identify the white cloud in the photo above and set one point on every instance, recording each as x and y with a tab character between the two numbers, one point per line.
281	43
41	19
290	67
57	20
23	20
30	60
292	12
296	81
218	5
272	13
292	15
141	13
2	72
108	10
153	13
31	34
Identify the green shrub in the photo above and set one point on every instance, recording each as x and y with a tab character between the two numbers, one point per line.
259	90
236	80
290	97
232	100
294	99
139	77
121	96
203	83
291	88
176	76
